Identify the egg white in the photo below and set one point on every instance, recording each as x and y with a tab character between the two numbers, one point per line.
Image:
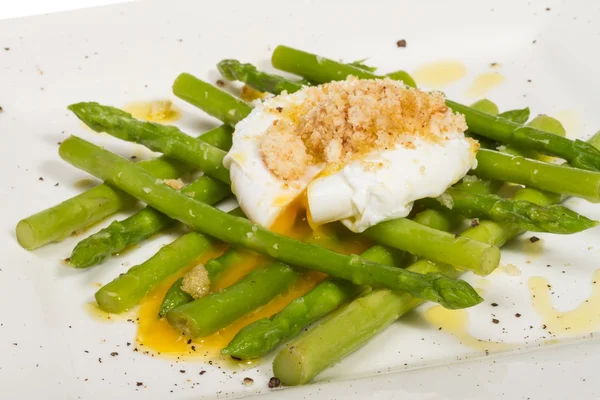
359	195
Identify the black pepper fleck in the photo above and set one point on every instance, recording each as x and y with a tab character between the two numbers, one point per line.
534	239
279	109
182	371
494	304
139	383
56	184
474	223
114	354
496	321
517	315
401	43
202	372
133	157
220	83
40	178
274	382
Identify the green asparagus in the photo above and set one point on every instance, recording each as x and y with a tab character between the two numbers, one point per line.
128	289
215	267
174	298
141	225
360	321
528	216
208	314
467	254
85	209
222	105
166	139
518	116
320	70
241	232
264	335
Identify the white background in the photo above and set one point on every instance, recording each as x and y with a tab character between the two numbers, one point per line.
22	8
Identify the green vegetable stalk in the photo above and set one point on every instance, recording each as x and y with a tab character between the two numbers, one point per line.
209	314
241	232
141	225
215	267
456	251
363	319
264	335
85	209
528	216
128	289
167	139
320	70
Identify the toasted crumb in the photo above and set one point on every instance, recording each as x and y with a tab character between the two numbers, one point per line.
342	121
196	282
174	183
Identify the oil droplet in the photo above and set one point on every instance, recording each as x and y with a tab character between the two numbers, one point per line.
485	82
160	111
583	319
571	122
456	322
439	74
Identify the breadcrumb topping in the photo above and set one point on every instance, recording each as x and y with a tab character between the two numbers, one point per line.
196	282
174	183
340	122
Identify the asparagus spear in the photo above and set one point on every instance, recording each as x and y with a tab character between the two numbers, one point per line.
354	325
555	219
360	321
468	254
518	116
174	298
222	105
167	139
85	209
233	70
493	165
215	267
528	216
241	232
320	70
141	225
208	314
128	289
266	334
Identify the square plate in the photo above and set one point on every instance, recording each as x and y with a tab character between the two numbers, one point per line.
543	53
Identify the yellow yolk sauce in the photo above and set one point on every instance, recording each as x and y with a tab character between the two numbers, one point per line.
159	111
157	335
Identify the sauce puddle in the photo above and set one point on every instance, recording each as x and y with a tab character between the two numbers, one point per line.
585	318
439	74
456	322
159	111
483	83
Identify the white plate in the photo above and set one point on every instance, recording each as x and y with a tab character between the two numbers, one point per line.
50	346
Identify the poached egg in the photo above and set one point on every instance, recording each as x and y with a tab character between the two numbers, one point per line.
360	183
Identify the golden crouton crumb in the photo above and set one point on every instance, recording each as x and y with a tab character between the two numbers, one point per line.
174	183
196	282
342	121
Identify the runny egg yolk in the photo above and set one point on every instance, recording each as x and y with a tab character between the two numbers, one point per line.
157	335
